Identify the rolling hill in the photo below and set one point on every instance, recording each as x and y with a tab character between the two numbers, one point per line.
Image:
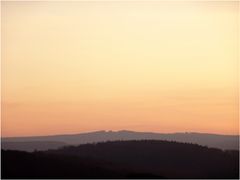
56	141
123	159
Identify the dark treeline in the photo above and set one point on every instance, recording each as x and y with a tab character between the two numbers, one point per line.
123	159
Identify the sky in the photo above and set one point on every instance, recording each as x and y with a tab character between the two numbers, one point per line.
72	67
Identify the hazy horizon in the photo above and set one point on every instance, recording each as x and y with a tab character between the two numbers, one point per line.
116	131
142	66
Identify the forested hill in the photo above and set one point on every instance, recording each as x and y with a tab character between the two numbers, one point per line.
225	142
123	159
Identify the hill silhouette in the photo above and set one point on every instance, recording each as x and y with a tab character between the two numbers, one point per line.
32	145
225	142
123	159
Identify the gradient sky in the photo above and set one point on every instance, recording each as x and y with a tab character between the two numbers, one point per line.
86	66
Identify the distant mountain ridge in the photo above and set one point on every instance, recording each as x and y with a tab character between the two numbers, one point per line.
29	143
32	145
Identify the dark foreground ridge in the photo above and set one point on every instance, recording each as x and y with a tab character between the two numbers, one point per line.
123	159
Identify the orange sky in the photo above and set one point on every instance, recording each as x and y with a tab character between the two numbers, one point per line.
85	66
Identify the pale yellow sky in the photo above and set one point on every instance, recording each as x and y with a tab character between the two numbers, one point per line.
144	66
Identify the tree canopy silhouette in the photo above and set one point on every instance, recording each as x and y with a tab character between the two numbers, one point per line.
123	159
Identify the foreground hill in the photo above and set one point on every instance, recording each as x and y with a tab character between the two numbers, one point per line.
123	159
40	142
